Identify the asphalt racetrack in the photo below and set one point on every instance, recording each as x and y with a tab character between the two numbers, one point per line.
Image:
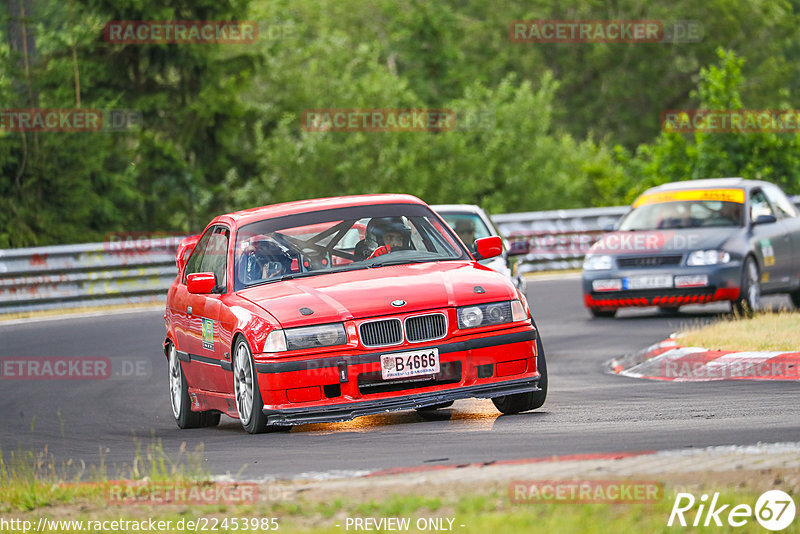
587	410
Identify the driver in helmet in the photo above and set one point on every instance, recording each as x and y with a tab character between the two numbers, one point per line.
383	235
264	259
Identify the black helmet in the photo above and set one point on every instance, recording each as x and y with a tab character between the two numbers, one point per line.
380	226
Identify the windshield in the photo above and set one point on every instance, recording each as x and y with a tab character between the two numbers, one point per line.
322	242
683	214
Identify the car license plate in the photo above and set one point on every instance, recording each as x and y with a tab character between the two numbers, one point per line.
647	282
412	363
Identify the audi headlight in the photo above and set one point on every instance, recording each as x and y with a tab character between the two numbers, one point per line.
708	257
306	337
598	263
509	311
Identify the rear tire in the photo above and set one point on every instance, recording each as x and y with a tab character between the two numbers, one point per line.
749	300
179	397
600	313
522	402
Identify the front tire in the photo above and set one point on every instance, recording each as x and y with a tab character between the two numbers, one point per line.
249	403
522	402
246	390
749	300
179	398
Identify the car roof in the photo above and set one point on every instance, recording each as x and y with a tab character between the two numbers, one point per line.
246	216
707	183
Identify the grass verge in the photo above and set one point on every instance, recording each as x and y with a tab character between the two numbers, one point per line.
762	332
33	488
468	512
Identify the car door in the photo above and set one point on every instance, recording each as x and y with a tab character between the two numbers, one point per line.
789	219
179	303
210	355
771	243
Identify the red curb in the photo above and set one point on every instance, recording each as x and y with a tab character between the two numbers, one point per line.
691	364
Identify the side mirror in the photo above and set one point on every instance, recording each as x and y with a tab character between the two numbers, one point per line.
608	228
488	247
201	283
764	219
519	248
185	249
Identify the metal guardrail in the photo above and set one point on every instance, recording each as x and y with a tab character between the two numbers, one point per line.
555	240
124	271
114	272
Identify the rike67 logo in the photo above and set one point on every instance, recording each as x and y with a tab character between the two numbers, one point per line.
774	510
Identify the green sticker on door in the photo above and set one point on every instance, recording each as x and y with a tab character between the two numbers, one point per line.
208	334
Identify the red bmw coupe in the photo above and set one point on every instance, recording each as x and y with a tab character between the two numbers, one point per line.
329	309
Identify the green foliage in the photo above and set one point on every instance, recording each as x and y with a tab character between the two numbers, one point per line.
565	125
773	157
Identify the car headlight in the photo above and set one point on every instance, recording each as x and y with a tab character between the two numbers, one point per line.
276	341
708	257
509	311
306	337
598	263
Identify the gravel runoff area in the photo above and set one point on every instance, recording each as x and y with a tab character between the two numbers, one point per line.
758	467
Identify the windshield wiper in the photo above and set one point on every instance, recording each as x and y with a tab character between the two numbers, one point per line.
398	262
292	276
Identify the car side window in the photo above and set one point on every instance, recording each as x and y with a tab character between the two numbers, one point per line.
759	205
215	256
193	265
782	204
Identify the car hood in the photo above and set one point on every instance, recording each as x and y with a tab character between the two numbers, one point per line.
369	292
662	241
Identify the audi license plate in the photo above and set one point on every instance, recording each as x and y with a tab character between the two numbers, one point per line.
647	282
413	363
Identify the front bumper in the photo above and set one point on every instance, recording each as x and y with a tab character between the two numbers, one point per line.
723	285
341	386
345	412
